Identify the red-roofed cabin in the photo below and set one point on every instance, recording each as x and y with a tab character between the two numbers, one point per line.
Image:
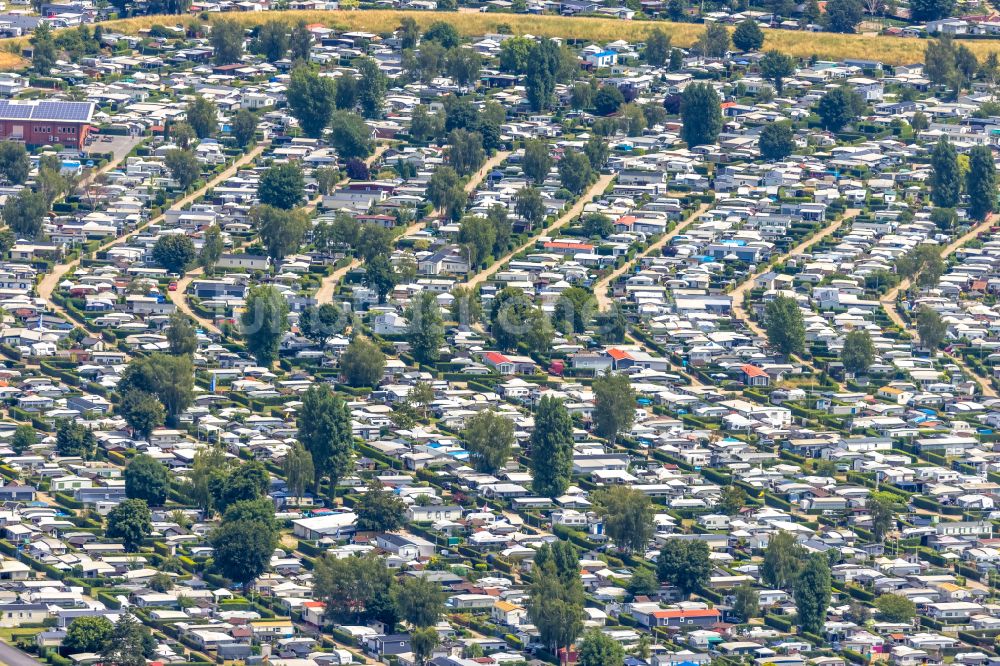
499	362
754	376
690	618
564	247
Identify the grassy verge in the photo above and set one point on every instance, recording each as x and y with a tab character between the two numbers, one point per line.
890	50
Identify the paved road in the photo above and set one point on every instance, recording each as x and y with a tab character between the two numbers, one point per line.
595	190
601	288
13	657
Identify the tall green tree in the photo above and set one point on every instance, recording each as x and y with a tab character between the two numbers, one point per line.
311	99
282	231
946	178
489	437
714	41
701	114
181	336
169	378
25	213
420	601
839	107
931	329
87	633
776	66
43	49
776	140
130	643
14	162
227	38
599	649
184	167
174	252
657	49
324	422
263	323
243	543
555	605
350	135
282	186
785	325
746	603
812	593
362	363
843	15
627	515
684	564
143	412
203	117
551	448
270	40
537	160
380	510
372	85
859	352
356	589
130	521
298	469
614	405
147	479
981	182
426	327
748	36
783	559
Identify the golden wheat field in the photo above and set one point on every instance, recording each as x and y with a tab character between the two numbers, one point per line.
890	50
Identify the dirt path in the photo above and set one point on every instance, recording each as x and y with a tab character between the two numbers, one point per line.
739	293
594	191
602	285
890	306
328	286
51	280
888	299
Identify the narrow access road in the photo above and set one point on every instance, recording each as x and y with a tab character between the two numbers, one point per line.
51	280
328	286
11	656
594	191
891	308
888	299
739	293
602	286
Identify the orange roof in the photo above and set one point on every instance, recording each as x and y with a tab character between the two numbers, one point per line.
627	220
568	246
752	371
618	354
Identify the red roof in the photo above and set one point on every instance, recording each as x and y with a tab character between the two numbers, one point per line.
568	246
627	220
752	371
618	354
496	358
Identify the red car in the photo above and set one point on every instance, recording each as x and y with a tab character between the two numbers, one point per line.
172	287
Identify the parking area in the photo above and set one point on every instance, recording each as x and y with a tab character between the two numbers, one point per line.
111	143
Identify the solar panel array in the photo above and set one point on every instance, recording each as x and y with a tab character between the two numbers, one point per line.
78	112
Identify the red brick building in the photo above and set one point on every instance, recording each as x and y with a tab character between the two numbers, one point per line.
40	122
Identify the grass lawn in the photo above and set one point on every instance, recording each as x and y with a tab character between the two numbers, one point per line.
890	50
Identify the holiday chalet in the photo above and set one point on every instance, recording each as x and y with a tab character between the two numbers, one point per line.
40	123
